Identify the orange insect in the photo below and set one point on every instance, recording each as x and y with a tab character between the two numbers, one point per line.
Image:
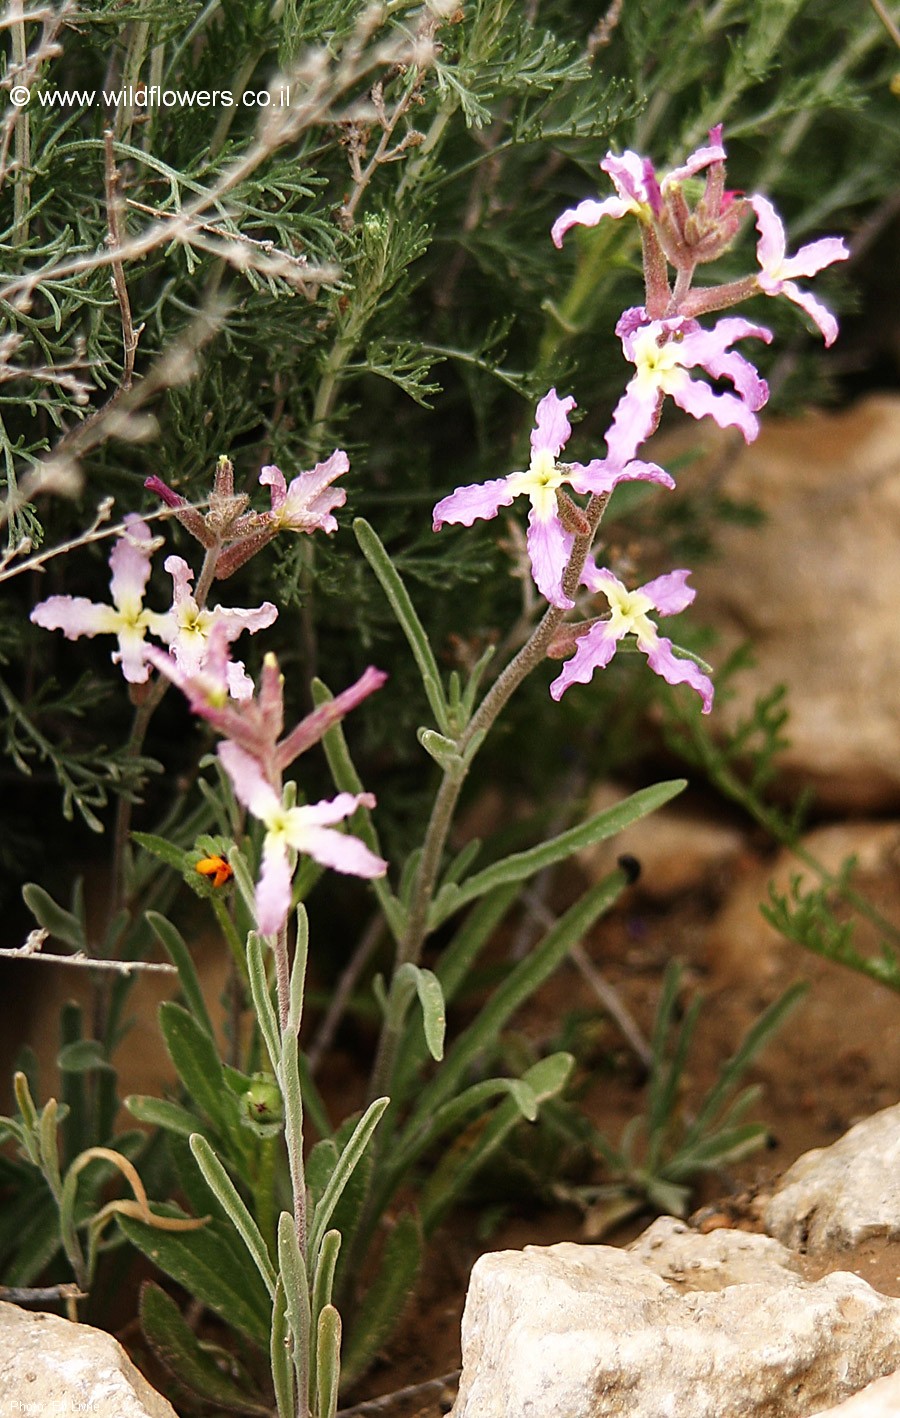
216	867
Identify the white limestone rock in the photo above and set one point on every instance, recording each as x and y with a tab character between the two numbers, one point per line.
878	1400
682	1325
51	1368
840	1195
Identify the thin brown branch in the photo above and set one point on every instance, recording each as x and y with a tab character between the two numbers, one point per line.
130	335
32	950
378	1407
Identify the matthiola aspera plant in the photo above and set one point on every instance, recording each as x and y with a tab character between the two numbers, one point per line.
286	1239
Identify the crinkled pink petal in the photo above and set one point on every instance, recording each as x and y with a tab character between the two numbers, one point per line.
815	256
549	547
709	349
675	670
817	312
552	427
594	651
182	579
698	160
75	616
598	578
272	477
466	504
603	474
315	725
634	418
251	787
273	890
310	499
771	247
130	564
588	213
240	685
236	619
331	810
628	173
132	654
342	852
699	400
670	593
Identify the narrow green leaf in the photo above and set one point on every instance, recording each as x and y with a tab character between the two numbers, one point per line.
546	1079
49	1145
194	1055
29	1116
280	1357
177	1348
61	924
38	1240
398	596
298	971
328	1362
296	1292
176	949
386	1296
443	750
323	1281
165	850
213	1266
526	864
343	1171
219	1182
82	1056
519	985
159	1112
262	999
453	1114
434	1014
757	1035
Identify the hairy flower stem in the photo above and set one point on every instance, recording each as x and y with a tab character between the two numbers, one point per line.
293	1129
485	716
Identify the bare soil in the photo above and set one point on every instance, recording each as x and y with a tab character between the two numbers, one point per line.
834	1062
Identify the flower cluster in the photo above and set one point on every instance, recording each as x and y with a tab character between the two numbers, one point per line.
255	751
667	346
185	627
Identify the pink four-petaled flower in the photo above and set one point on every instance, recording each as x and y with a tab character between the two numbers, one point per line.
638	188
777	269
667	595
126	618
663	351
549	542
307	829
307	502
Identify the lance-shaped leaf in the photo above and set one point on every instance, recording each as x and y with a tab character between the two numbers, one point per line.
61	924
520	984
177	1348
177	951
546	1079
328	1362
262	999
283	1375
293	1279
215	1268
403	608
523	865
223	1188
412	979
346	1163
